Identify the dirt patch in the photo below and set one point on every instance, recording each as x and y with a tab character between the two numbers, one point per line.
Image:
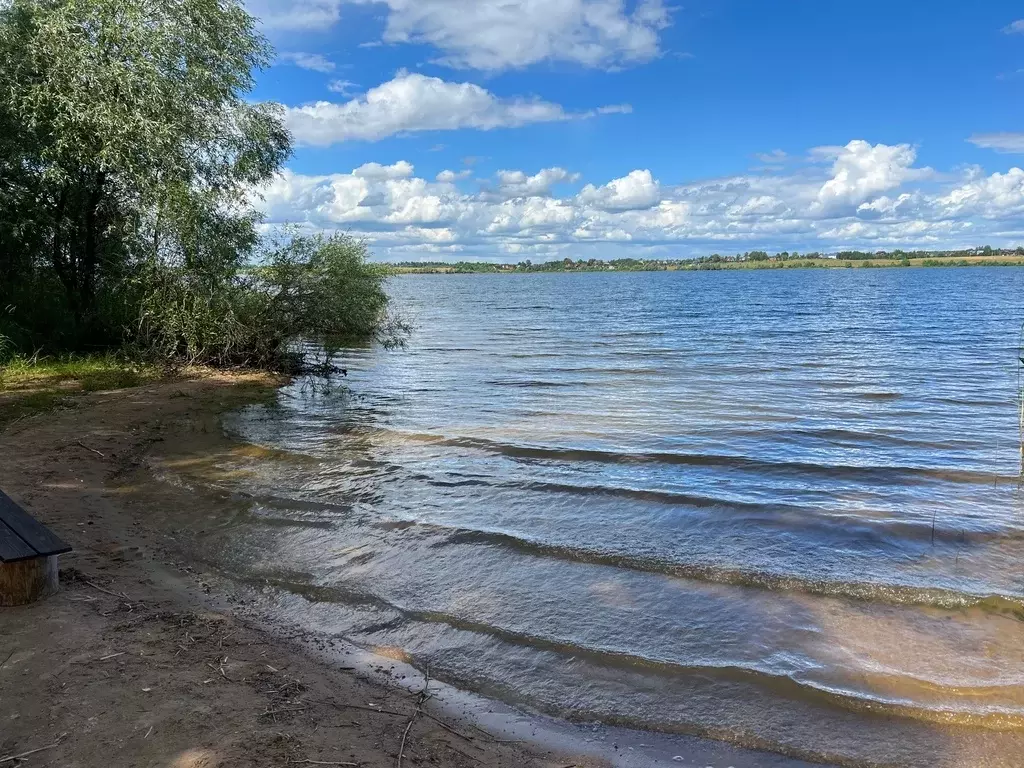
140	660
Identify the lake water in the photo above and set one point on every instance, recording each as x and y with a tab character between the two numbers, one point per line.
776	508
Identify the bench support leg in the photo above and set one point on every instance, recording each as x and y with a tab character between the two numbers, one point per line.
27	581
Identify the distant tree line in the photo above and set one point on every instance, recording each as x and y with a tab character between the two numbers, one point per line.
761	258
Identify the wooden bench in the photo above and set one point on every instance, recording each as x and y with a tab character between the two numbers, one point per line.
28	556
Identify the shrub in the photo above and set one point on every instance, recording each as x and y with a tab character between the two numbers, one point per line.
314	288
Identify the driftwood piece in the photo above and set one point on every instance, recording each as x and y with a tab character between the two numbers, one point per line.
27	581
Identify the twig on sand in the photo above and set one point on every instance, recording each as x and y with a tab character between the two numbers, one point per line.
121	596
80	444
448	727
316	762
420	701
368	709
405	735
221	670
12	758
9	657
112	656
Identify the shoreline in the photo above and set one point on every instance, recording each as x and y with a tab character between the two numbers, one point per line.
150	657
146	659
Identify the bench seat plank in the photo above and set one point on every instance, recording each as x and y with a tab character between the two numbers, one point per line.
41	540
12	547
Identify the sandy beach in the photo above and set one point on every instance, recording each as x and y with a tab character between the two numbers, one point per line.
145	659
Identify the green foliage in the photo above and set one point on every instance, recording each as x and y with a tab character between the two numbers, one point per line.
324	287
129	153
314	288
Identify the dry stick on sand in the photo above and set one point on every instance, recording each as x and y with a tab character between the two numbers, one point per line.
80	444
121	596
391	712
367	709
316	762
420	701
12	758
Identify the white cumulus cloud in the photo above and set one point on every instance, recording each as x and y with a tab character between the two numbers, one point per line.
518	184
638	190
413	102
874	197
496	35
861	171
450	177
400	170
994	196
504	34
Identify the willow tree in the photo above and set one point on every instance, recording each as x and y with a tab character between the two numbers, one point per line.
126	139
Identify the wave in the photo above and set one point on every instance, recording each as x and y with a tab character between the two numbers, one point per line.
867	591
789	686
866	473
862	526
533	383
879	532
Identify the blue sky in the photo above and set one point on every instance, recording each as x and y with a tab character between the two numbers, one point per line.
514	129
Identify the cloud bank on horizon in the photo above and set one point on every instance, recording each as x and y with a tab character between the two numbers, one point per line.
868	195
507	129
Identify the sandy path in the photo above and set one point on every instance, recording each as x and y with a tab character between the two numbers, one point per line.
140	660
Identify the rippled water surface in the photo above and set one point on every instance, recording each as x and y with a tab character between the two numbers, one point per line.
775	508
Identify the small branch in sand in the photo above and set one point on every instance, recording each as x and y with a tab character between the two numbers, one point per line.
368	709
113	656
316	762
221	670
23	755
9	657
420	701
80	444
121	596
448	727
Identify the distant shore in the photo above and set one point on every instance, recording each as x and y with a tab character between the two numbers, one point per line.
479	268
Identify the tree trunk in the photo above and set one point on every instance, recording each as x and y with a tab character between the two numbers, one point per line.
90	258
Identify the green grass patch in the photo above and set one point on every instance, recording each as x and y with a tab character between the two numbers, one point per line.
33	385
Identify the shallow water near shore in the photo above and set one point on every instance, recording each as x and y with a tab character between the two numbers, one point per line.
778	509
